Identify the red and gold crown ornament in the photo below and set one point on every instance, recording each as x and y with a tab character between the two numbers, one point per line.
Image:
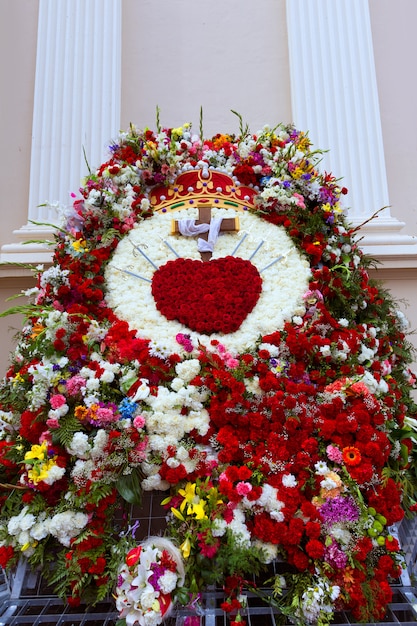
203	186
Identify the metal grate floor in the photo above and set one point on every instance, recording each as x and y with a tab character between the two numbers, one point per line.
50	611
24	599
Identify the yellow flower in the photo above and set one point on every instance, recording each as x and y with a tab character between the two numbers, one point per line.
40	472
298	172
79	245
304	142
18	379
28	545
177	514
328	208
92	412
37	452
176	132
188	494
197	509
186	548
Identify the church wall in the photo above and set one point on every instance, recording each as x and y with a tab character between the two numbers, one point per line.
18	34
218	55
393	31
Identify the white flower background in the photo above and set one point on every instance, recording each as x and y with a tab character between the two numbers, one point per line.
284	282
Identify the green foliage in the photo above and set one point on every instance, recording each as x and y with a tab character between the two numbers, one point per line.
68	426
129	487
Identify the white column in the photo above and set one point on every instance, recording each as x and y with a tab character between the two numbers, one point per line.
335	97
76	107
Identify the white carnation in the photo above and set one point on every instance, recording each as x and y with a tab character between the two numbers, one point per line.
79	445
188	369
168	582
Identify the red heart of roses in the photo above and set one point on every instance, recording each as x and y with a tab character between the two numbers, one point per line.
211	297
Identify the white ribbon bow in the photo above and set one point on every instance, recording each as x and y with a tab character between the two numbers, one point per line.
189	228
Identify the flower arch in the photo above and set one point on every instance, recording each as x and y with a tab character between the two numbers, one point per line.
277	416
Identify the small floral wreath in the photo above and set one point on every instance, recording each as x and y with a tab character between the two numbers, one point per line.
278	414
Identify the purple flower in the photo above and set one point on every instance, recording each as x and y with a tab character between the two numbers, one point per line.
339	509
158	571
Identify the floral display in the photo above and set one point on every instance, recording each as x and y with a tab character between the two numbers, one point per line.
208	328
148	576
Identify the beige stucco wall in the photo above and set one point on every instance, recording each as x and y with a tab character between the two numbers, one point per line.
395	50
219	55
18	31
18	34
182	55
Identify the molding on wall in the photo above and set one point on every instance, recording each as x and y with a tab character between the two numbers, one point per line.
78	64
382	239
335	97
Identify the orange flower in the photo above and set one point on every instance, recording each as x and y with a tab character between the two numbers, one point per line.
37	329
351	456
80	412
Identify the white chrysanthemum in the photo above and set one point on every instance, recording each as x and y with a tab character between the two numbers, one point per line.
340	534
273	350
64	526
59	412
252	385
54	473
218	527
270	551
154	482
100	442
7	423
366	354
177	384
239	528
268	499
82	472
289	480
79	445
328	483
374	385
92	384
321	468
188	369
39	530
22	522
94	332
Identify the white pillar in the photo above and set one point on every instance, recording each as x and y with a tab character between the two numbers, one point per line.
76	107
335	97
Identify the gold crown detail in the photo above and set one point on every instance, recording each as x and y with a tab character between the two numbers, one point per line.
203	186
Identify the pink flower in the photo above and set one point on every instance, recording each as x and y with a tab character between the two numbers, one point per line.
57	401
299	200
139	422
105	416
52	423
386	368
74	385
334	454
243	488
